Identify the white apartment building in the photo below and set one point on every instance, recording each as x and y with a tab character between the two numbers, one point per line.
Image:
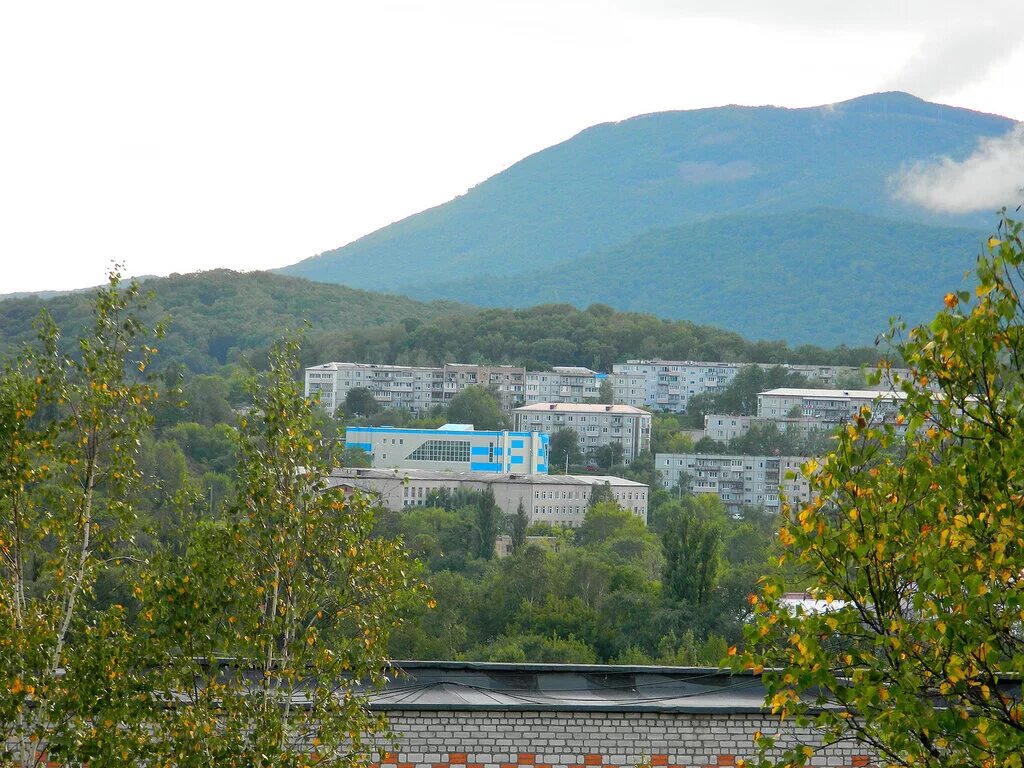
737	480
556	499
669	384
629	389
415	388
393	386
595	425
563	384
827	407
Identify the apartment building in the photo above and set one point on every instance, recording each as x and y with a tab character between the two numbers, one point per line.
556	499
563	384
737	480
827	407
669	384
452	448
508	381
595	425
415	388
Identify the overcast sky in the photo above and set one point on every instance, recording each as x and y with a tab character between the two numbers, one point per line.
182	136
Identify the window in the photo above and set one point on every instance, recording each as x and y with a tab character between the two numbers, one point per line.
441	450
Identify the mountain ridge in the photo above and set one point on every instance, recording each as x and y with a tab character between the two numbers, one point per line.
614	182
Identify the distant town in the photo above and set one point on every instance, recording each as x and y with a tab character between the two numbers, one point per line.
600	410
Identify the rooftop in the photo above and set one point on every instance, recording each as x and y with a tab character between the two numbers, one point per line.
836	394
622	410
447	685
338	477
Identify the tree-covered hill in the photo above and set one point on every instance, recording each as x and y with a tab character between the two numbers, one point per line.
821	276
216	315
221	316
618	181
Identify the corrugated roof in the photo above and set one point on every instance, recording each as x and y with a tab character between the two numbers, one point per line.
546	687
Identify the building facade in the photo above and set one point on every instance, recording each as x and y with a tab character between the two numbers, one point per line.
556	499
452	448
827	407
563	384
414	388
595	425
486	715
738	481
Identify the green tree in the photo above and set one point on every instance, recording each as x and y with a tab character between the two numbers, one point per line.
359	401
486	521
69	428
292	593
517	525
914	543
477	405
692	540
601	493
563	450
606	393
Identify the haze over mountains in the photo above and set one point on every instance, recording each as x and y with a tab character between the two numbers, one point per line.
772	222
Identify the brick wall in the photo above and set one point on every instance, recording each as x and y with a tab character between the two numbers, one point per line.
509	739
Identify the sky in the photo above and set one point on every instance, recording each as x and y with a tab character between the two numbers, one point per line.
176	137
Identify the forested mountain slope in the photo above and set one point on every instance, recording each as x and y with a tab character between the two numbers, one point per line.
216	315
613	183
821	276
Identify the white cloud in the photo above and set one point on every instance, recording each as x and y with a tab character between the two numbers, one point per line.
991	177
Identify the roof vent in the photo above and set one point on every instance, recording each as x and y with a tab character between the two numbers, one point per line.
551	406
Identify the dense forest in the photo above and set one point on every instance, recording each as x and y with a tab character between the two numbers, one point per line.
215	320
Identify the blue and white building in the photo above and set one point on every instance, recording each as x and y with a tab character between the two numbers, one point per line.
452	448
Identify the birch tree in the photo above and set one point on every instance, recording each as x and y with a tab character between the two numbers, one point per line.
69	428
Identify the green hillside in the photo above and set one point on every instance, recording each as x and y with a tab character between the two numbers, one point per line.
822	276
215	316
616	181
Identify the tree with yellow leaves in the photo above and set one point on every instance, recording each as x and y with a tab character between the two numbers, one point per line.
69	427
915	543
276	619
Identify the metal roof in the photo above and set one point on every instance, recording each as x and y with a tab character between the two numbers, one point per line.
356	473
444	685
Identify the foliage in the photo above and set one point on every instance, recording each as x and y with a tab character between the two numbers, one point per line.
68	435
477	405
693	538
563	450
915	546
517	527
222	317
314	615
359	401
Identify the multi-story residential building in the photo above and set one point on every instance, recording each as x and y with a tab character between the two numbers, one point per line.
415	388
556	499
595	425
393	386
669	384
453	448
737	480
827	407
507	381
629	389
563	384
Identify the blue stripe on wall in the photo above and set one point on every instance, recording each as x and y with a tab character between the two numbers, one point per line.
478	451
484	466
368	447
518	443
517	459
